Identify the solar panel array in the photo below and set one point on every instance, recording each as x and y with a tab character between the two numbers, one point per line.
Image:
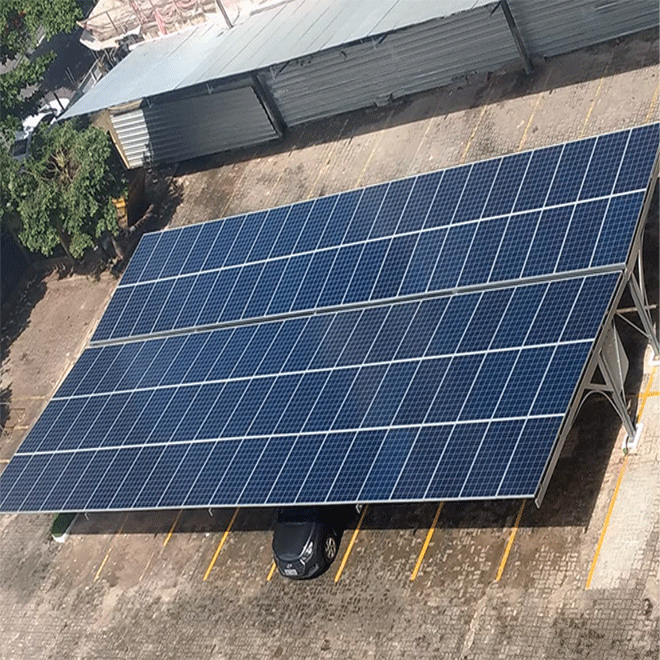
554	210
415	340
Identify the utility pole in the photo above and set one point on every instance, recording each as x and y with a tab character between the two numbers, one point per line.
223	11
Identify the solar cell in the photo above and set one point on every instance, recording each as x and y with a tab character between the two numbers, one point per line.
560	239
555	210
414	340
329	376
595	167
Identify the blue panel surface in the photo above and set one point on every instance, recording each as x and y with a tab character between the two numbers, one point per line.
477	190
395	239
507	184
492	459
291	229
433	367
97	468
266	470
323	470
194	262
389	214
365	213
160	255
179	255
538	178
417	209
226	236
356	465
419	339
572	167
641	152
384	472
140	258
443	207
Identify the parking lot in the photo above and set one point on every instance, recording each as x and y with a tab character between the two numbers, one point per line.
577	578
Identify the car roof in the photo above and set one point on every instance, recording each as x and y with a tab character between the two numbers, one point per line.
53	107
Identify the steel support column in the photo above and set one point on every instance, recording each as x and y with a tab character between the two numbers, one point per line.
517	38
638	293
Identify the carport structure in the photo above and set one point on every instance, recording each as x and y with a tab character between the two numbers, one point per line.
429	338
211	88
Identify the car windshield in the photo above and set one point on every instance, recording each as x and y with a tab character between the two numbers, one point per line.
19	147
296	514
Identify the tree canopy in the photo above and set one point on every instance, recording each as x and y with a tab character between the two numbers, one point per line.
22	24
63	191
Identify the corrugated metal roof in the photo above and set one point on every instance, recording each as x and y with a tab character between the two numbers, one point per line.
211	51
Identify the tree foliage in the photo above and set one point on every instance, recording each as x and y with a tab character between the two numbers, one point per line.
22	24
63	191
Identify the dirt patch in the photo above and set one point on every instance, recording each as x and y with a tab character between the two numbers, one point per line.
41	341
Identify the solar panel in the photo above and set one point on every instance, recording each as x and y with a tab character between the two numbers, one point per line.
421	339
354	381
537	213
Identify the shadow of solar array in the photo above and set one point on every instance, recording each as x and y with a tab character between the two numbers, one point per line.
421	339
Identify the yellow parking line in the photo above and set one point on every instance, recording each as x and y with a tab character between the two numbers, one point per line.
607	521
431	121
373	151
474	130
5	460
328	160
146	568
25	398
593	102
350	545
523	139
652	105
271	572
222	542
429	535
509	544
107	554
169	534
647	393
642	403
539	96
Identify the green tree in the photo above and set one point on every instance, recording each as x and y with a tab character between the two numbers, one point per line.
22	24
62	193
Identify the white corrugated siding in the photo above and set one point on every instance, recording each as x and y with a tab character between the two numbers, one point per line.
173	131
403	62
552	27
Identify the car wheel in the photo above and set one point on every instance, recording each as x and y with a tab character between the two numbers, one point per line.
329	548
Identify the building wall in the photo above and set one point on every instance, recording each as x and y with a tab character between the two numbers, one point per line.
174	130
552	27
370	72
394	65
435	53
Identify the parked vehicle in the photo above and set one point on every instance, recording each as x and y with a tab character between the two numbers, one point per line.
306	539
47	114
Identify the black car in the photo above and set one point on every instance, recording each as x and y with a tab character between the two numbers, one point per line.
306	539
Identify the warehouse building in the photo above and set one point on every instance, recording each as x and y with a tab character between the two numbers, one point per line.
212	88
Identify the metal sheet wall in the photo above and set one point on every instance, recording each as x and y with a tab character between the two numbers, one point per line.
410	60
172	131
552	27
